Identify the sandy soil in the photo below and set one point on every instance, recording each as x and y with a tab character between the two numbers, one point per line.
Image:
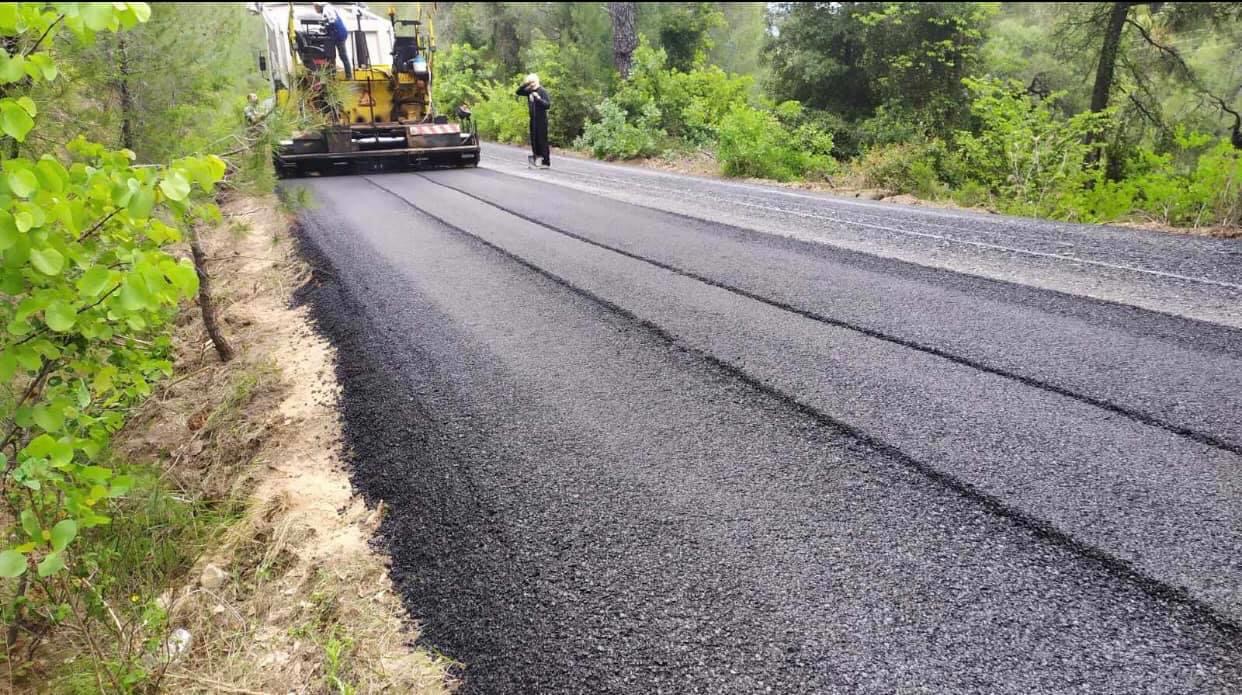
294	599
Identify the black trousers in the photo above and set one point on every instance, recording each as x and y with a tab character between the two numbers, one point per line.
539	137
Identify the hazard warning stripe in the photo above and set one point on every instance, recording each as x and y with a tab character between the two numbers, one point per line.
434	129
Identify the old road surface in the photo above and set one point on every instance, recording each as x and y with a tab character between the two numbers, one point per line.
646	433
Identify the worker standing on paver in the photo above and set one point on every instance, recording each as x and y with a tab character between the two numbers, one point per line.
338	33
539	101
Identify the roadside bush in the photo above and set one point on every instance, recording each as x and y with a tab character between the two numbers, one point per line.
925	169
692	104
754	143
499	114
1203	190
892	124
458	69
614	136
1035	162
91	288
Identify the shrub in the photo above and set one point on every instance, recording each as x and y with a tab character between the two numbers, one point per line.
754	143
458	70
692	104
924	169
1205	190
1034	161
614	136
499	114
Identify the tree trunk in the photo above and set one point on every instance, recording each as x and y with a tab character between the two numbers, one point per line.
205	303
127	97
1106	68
624	35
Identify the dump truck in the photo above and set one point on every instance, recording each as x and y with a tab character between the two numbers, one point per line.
382	116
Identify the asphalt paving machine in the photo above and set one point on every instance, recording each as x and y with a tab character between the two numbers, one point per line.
382	116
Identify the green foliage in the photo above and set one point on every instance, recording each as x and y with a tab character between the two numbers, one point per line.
91	289
458	69
918	168
499	114
617	136
1206	192
737	41
685	30
1032	160
159	88
754	143
692	104
852	57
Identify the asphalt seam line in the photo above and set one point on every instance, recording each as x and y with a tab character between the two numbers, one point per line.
1137	416
939	237
1119	567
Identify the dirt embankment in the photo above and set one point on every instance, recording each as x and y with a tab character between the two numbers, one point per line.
292	598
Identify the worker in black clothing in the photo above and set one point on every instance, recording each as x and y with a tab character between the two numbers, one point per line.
539	101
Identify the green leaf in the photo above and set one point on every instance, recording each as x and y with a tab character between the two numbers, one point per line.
95	474
12	68
175	186
51	565
141	204
94	281
41	65
62	454
120	485
133	297
8	17
63	534
23	183
19	328
98	15
52	175
141	10
14	120
8	365
60	317
47	261
30	524
24	221
40	446
8	231
50	418
12	564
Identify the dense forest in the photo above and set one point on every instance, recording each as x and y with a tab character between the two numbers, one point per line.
1076	111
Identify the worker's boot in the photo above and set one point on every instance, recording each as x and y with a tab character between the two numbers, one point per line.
530	161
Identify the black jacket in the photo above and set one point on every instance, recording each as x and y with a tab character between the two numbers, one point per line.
538	107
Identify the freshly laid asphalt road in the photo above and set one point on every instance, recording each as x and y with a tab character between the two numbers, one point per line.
646	433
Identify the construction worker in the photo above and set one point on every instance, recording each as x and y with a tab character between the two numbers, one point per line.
338	34
538	103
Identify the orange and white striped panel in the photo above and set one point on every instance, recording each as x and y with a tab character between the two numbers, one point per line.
434	128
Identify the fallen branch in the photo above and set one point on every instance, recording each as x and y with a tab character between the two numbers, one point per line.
205	303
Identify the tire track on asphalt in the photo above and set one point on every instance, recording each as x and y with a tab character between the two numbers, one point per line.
1040	528
1135	415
